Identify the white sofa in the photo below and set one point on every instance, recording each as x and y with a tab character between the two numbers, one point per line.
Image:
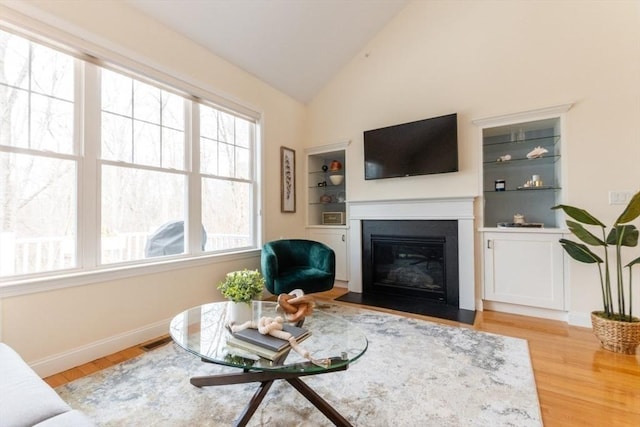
26	400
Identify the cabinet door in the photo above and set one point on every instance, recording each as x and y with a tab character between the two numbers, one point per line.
336	239
525	269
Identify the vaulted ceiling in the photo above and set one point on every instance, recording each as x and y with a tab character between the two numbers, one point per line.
295	46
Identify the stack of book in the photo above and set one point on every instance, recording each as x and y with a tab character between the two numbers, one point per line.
253	342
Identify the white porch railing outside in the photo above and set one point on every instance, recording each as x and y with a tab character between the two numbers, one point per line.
35	255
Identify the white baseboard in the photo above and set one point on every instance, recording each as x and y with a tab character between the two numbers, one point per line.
580	319
341	284
87	353
543	313
570	317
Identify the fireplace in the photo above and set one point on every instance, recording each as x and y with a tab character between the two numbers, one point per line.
417	259
460	294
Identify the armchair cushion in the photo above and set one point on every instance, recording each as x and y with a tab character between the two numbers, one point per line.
297	264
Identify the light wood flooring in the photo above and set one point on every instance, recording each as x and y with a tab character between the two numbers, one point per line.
579	384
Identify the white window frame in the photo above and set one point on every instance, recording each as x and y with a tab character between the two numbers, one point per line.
87	115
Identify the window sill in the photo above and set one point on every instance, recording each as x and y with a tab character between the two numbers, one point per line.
11	288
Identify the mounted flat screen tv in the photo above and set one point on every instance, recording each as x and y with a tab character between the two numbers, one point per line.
423	147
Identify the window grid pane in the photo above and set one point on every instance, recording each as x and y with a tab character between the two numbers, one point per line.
37	214
155	120
227	214
36	95
225	144
142	126
38	201
135	204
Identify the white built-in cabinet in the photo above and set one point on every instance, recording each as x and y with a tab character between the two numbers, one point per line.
524	268
336	239
523	261
326	201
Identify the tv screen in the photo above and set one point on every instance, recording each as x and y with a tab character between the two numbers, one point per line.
423	147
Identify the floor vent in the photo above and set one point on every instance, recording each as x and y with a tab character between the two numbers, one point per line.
155	344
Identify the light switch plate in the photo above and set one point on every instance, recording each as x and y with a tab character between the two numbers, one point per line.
620	197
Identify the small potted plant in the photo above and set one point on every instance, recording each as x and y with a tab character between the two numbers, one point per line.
241	287
615	326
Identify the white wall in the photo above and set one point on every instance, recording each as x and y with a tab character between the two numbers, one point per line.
487	58
61	328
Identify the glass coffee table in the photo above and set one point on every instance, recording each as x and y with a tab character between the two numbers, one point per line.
202	331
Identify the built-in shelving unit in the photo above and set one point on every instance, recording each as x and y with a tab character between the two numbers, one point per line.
327	214
522	179
531	185
323	195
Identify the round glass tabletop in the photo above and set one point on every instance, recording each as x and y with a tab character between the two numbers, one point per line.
202	331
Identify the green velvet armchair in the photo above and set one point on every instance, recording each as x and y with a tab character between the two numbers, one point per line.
290	264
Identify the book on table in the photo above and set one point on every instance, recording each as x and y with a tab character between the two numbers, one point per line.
269	341
242	348
267	346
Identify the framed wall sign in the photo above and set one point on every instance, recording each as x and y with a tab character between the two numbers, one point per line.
288	179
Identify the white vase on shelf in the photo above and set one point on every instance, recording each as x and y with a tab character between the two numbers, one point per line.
336	179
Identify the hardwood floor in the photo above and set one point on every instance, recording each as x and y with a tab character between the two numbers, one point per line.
579	384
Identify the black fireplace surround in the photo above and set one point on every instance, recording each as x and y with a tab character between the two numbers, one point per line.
412	266
416	259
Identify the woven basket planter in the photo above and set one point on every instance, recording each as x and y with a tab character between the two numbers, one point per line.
620	337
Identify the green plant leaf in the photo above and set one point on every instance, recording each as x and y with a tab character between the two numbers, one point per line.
580	252
634	262
623	235
579	215
632	211
583	234
242	286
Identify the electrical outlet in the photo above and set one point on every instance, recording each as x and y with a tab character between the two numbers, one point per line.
619	197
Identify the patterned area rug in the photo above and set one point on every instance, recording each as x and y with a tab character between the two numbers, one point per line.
414	373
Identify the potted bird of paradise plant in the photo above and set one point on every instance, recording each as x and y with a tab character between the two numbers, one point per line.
615	326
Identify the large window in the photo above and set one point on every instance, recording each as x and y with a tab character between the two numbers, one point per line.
99	167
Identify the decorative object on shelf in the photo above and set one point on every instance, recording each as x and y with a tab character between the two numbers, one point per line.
616	328
322	184
522	225
295	305
518	219
534	182
335	166
504	158
336	179
537	152
341	197
333	218
326	198
518	135
529	186
500	185
241	287
288	179
325	168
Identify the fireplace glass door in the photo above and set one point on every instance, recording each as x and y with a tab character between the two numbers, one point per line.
409	266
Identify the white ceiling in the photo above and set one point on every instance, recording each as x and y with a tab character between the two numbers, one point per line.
294	45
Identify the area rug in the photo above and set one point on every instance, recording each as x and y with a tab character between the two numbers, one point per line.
414	373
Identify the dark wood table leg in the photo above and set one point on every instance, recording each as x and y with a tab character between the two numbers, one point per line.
319	402
266	379
253	404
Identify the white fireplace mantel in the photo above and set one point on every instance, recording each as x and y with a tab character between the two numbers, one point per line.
456	208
